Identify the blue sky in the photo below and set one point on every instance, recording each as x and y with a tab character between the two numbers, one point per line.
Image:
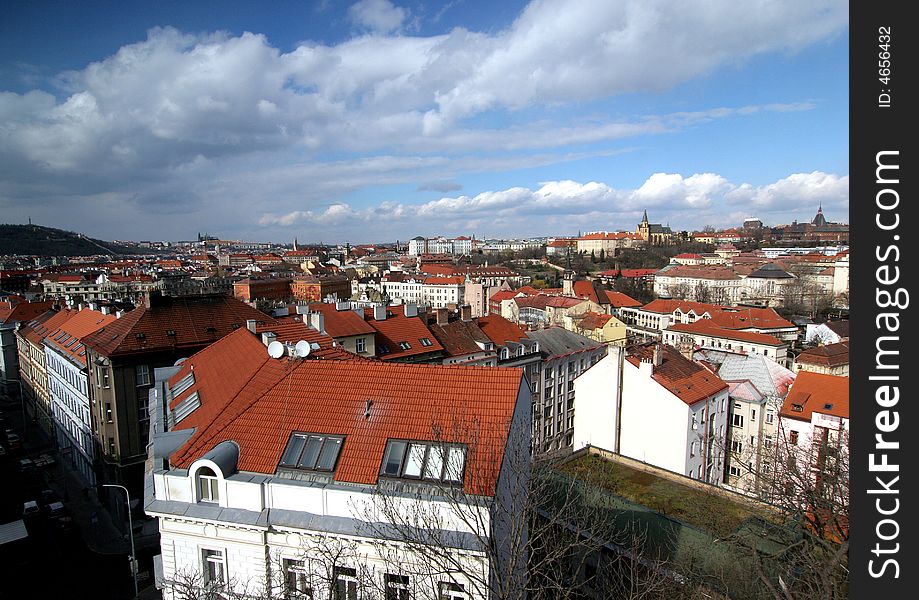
374	120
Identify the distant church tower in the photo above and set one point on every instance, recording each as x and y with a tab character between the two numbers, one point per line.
819	220
295	244
568	278
644	229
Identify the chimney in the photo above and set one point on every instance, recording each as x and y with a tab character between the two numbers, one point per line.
466	312
118	314
250	324
658	356
106	310
646	367
268	337
343	305
443	316
302	309
379	312
315	320
359	311
411	310
80	306
93	306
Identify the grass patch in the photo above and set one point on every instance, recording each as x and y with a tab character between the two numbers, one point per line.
710	512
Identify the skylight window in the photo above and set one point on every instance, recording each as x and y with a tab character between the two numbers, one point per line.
405	345
183	384
426	342
70	343
382	349
430	461
313	452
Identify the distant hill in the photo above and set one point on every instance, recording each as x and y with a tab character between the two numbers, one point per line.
47	241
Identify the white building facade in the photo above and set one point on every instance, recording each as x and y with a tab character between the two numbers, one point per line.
627	405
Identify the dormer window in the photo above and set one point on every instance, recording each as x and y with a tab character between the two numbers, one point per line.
207	485
312	452
424	460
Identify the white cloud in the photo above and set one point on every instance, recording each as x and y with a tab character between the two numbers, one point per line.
216	118
380	16
685	202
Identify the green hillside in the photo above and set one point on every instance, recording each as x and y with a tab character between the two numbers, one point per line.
47	241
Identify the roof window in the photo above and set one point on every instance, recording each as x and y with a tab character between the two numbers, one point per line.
430	461
426	342
405	345
313	452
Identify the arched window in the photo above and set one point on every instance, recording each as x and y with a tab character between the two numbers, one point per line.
207	485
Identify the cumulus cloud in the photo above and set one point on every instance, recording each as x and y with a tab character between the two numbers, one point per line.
214	113
686	202
380	16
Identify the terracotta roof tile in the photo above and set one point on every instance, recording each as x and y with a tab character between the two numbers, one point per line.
258	402
620	300
342	323
684	378
709	328
185	322
74	329
500	330
816	392
831	355
396	329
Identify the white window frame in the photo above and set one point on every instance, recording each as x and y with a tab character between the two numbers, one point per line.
208	487
217	558
360	345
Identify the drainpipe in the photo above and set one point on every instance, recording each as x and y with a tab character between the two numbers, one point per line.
621	362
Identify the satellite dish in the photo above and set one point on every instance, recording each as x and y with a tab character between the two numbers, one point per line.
302	349
275	349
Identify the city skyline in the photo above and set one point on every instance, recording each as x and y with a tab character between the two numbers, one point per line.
398	119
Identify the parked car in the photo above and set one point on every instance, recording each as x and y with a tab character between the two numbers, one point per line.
13	441
30	508
58	513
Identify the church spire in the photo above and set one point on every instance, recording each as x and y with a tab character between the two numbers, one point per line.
644	218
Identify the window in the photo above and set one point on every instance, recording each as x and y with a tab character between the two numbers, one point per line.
424	460
142	375
296	582
207	485
793	438
736	446
695	422
345	583
405	345
448	590
692	448
312	452
382	349
426	342
396	587
737	420
753	414
360	345
735	471
767	442
108	412
770	416
215	566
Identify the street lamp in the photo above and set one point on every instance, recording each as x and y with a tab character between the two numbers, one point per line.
131	530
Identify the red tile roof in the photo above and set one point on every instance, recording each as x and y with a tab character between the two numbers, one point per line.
503	295
750	318
708	328
76	327
585	289
666	307
36	330
500	330
682	377
342	323
831	355
592	320
396	328
22	311
816	392
620	300
258	402
459	337
444	281
195	321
